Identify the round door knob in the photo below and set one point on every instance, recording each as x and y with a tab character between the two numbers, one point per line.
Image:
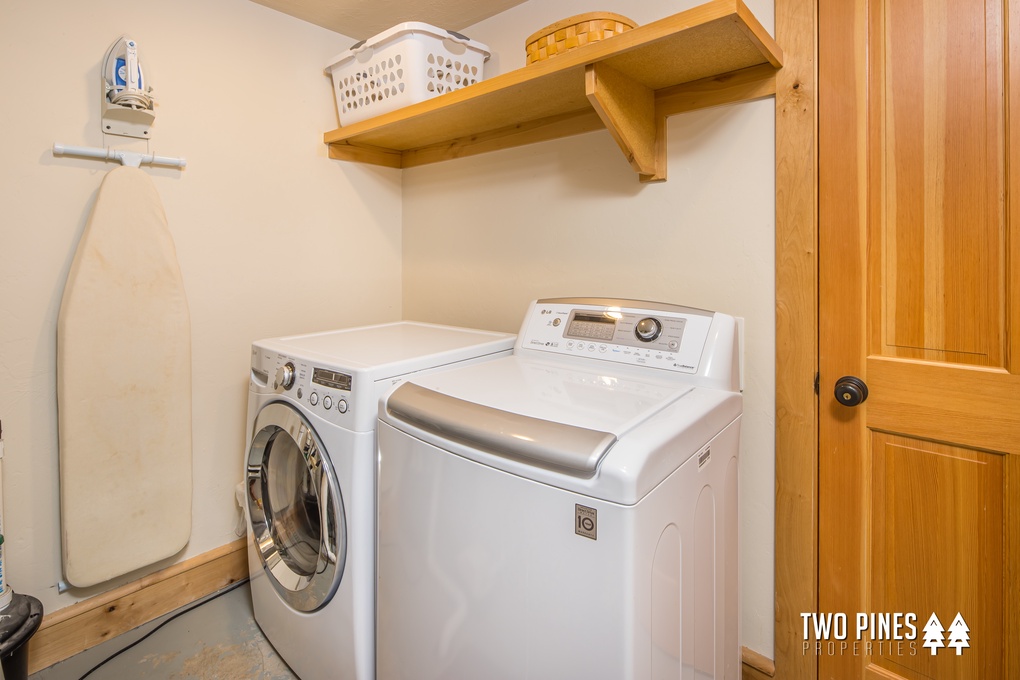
285	376
851	391
647	329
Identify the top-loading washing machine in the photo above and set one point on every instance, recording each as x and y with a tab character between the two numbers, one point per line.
568	512
311	481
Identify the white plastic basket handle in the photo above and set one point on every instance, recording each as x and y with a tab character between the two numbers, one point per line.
455	47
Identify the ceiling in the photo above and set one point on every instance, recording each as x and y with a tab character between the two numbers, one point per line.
362	19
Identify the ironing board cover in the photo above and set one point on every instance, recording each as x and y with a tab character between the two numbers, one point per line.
124	389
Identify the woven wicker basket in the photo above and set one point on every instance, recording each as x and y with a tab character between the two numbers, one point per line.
574	32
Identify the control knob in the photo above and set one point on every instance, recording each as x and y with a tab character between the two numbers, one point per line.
285	376
647	329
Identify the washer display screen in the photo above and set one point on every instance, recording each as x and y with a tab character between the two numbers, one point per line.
591	326
327	378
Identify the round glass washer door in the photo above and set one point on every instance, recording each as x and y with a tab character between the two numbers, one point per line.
296	510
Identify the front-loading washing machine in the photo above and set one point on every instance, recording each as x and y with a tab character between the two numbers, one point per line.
310	474
568	512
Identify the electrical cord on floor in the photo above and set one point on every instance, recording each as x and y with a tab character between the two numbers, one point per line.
232	587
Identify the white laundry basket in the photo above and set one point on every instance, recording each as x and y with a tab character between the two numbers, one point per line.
406	64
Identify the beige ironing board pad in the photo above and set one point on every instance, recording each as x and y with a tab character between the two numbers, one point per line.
124	389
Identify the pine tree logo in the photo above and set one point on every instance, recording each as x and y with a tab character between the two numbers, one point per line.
959	634
933	634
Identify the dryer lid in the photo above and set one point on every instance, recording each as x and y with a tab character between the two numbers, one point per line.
546	414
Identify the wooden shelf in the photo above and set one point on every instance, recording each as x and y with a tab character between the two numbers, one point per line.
713	54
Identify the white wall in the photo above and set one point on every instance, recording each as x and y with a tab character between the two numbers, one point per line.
484	235
272	237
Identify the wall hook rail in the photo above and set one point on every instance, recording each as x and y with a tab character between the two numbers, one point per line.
130	158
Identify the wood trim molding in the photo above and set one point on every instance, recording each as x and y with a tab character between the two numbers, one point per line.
796	546
74	629
756	666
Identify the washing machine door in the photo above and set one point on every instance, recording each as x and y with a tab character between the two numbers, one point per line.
296	510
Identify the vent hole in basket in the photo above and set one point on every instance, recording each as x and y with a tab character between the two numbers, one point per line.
390	63
397	59
439	74
474	70
431	59
401	86
431	87
400	73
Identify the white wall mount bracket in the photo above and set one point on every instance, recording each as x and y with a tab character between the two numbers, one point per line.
126	121
130	158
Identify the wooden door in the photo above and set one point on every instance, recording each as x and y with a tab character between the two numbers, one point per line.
919	257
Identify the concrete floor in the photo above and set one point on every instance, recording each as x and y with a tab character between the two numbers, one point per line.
218	640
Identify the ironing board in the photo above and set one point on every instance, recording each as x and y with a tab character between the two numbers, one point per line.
124	389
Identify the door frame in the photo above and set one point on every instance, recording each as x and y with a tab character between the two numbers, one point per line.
796	500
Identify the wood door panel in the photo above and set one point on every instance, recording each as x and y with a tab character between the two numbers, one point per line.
936	131
919	295
937	547
969	406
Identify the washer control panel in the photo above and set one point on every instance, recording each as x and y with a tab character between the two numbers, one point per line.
326	392
659	336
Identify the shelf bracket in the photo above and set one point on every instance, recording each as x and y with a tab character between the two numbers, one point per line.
627	108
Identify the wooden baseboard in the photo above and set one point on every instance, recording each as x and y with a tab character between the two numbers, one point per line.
756	666
74	629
